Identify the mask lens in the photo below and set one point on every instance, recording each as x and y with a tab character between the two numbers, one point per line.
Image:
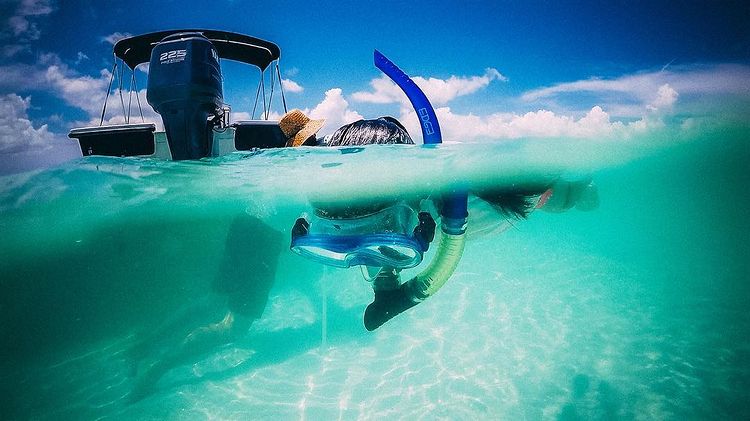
384	238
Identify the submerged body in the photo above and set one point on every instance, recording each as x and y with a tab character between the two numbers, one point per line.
620	312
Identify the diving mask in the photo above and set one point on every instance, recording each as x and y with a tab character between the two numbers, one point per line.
395	237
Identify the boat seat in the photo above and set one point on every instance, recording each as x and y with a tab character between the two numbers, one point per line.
116	140
251	134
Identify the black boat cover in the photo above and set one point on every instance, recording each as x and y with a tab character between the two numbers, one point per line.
136	50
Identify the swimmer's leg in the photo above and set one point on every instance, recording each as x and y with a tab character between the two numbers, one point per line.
174	329
195	346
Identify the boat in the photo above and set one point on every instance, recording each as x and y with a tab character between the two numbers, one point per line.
185	87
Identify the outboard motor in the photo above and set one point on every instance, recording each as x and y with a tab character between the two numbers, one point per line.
185	88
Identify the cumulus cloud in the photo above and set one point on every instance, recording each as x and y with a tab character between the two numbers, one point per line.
50	74
291	86
646	98
595	124
244	115
17	133
643	99
665	98
21	77
84	92
651	91
80	91
335	110
440	91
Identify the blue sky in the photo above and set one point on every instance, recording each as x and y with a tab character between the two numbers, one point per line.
494	70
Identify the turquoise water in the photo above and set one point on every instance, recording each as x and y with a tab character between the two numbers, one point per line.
637	310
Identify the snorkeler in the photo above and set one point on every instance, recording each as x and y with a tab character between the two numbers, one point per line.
383	238
388	236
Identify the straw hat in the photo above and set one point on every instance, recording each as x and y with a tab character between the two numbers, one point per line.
297	127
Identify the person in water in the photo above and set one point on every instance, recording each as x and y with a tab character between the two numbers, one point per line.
505	203
380	131
238	295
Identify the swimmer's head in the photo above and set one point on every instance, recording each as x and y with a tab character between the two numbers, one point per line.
384	130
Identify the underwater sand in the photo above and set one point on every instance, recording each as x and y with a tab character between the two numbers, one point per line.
637	310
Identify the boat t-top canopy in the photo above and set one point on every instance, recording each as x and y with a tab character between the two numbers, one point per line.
136	50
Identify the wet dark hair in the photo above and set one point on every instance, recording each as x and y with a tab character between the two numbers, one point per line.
383	130
380	131
514	203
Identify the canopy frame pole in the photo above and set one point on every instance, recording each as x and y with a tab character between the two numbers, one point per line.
119	90
270	99
257	94
137	97
281	86
109	88
263	87
130	96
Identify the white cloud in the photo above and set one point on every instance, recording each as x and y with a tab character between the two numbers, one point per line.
114	37
649	91
18	24
21	23
116	115
16	130
665	98
51	75
595	124
335	110
35	7
80	91
21	77
84	92
439	91
291	86
243	115
81	57
644	98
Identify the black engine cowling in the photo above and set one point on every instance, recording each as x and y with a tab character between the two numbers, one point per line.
185	88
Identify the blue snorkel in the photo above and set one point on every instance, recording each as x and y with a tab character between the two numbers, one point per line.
429	122
454	216
455	203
